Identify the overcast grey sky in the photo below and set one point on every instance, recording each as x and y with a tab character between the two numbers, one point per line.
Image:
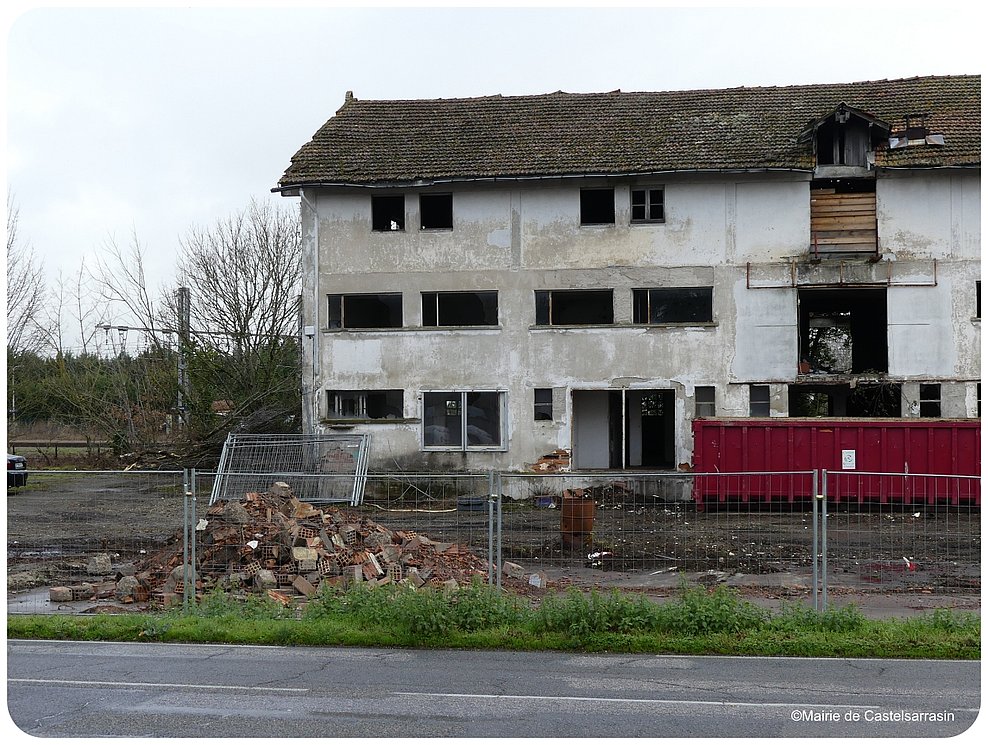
130	120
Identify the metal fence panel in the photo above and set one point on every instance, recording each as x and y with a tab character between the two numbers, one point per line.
339	460
903	532
651	530
85	531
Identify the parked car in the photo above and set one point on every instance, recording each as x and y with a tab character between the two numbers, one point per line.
16	470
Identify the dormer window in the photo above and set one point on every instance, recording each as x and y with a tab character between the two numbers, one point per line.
845	137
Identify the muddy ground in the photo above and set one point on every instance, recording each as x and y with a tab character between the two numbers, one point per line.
58	521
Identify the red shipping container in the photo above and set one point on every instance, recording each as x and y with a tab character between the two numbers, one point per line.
950	447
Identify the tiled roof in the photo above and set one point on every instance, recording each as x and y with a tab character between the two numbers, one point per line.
559	134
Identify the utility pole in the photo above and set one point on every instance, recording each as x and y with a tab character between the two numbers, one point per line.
183	343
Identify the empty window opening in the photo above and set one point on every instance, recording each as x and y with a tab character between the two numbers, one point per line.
388	404
977	299
648	205
574	307
929	399
463	420
916	128
704	397
388	213
882	400
459	308
624	429
759	401
844	139
596	206
843	331
436	211
543	404
365	311
673	305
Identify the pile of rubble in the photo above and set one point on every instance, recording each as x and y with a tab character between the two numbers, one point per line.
558	461
272	543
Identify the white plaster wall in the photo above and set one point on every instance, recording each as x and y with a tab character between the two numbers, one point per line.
766	346
930	214
773	220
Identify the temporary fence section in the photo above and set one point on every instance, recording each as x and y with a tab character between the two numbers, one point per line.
651	530
321	468
426	529
902	532
77	537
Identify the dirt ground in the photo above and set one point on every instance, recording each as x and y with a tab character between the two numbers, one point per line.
895	557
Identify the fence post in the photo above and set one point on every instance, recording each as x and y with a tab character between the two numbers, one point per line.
490	527
816	541
823	538
186	495
500	523
194	523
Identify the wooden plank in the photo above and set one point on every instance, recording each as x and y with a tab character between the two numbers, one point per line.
820	240
863	248
844	223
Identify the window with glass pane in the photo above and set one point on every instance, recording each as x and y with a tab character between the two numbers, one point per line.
647	205
759	401
705	402
462	420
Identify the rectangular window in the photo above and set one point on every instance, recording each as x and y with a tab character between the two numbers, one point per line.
596	206
673	305
365	404
388	213
648	205
365	311
459	308
436	211
463	420
758	400
574	307
543	404
929	399
705	398
977	299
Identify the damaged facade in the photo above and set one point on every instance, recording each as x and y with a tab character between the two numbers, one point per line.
494	279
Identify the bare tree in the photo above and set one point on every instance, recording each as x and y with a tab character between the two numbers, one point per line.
73	314
25	290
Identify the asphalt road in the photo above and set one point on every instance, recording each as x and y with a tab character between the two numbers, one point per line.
80	689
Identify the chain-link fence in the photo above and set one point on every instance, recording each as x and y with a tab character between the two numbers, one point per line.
81	540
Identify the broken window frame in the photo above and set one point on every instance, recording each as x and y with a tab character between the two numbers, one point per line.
343	316
548	309
930	401
542	411
388	213
597	206
365	405
434	315
759	401
649	204
645	302
436	211
457	405
705	401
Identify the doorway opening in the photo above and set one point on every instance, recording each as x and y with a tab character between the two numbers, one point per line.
627	428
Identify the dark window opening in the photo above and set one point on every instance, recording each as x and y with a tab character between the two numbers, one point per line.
843	140
705	399
759	400
673	305
436	211
647	205
543	404
929	399
365	311
388	404
574	307
462	420
624	429
871	400
916	128
977	299
459	308
597	206
843	331
388	213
